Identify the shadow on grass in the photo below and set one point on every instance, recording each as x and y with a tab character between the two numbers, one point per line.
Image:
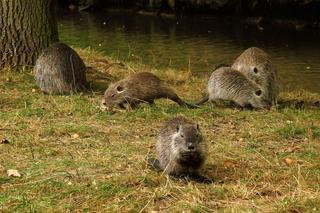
297	104
154	164
98	81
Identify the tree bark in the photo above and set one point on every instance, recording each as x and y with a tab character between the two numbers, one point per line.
27	27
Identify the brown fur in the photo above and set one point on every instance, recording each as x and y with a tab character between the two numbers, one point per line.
257	65
60	70
226	83
143	87
180	147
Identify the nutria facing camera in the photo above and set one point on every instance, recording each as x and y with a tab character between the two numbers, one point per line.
143	87
181	149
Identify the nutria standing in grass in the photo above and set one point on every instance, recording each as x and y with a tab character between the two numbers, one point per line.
180	147
258	67
143	87
60	70
226	83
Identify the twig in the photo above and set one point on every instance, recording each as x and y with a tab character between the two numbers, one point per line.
31	150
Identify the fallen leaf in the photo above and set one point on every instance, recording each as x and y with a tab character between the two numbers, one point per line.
4	141
13	173
289	161
269	193
230	163
75	136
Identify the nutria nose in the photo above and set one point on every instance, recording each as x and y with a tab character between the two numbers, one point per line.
104	103
190	147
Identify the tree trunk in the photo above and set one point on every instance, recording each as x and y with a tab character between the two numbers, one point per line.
27	27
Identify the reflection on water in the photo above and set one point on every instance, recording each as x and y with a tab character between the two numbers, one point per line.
196	43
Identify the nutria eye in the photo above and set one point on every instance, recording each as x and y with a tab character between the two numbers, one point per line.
255	70
182	136
112	96
119	88
258	93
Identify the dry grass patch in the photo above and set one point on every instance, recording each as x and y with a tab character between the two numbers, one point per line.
73	157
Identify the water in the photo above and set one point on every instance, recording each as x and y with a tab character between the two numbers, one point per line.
195	43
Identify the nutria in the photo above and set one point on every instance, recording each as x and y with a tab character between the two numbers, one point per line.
60	70
226	83
181	149
143	87
257	65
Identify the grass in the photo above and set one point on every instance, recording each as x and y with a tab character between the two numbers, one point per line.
73	157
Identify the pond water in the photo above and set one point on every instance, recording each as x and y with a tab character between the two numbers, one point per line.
195	43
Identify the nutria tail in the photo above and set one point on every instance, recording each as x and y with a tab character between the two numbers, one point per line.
203	100
169	93
183	103
191	106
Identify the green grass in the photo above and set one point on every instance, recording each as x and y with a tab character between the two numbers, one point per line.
104	169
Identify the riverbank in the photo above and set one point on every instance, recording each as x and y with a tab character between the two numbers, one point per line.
74	157
308	9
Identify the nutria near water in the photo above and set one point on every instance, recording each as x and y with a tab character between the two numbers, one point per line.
257	65
143	87
181	149
226	83
60	70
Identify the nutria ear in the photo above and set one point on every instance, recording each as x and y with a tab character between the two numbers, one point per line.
255	70
197	127
119	89
258	92
178	128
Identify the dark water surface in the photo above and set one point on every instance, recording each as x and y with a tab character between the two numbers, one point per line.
195	43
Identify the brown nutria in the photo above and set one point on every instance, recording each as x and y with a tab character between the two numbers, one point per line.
143	87
226	83
257	65
60	70
181	149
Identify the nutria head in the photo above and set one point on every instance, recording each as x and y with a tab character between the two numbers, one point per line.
187	141
115	95
259	100
261	73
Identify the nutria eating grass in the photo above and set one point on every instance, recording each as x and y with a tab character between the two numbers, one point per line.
257	65
226	83
143	87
